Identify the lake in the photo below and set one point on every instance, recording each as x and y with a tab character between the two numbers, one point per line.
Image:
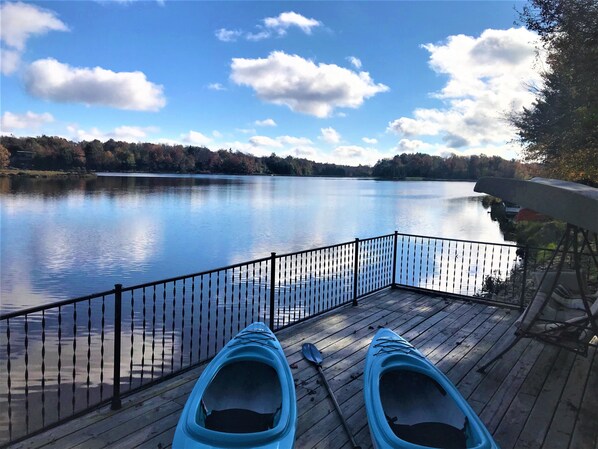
65	238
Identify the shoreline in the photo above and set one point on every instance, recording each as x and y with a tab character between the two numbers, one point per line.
43	174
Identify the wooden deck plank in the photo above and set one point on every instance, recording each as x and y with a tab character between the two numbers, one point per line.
534	394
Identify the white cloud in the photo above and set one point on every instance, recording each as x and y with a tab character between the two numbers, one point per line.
266	122
289	19
291	140
225	35
120	133
52	80
265	141
370	141
272	26
355	62
488	78
10	60
18	22
28	120
357	155
245	130
216	86
302	85
196	138
414	146
330	135
217	134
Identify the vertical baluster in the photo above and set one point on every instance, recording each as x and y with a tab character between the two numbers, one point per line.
131	351
247	295
434	264
9	380
73	387
259	293
216	324
280	293
253	293
311	283
232	302
301	288
295	290
192	331
200	318
240	291
172	337
272	288
59	367
153	330
469	271
209	333
192	324
224	308
448	265
287	294
102	349
456	255
26	373
477	263
163	327
88	380
43	369
183	301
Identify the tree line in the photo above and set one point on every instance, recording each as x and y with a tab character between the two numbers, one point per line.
55	153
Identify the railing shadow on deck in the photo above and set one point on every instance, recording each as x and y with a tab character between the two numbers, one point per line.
63	359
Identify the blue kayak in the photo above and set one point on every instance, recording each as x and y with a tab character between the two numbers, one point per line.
245	398
410	404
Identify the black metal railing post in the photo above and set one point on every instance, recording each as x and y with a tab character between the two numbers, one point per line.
394	260
524	279
272	287
116	403
355	272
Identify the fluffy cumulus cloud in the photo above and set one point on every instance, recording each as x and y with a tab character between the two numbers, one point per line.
370	140
302	85
27	121
121	133
489	77
55	81
265	122
196	138
18	22
286	20
270	27
330	135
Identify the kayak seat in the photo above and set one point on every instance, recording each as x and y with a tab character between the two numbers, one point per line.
238	420
431	434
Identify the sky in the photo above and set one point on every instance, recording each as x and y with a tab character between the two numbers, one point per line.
344	82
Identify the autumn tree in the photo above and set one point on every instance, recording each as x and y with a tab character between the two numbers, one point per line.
560	129
4	157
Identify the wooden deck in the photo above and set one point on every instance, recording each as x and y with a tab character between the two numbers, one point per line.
537	396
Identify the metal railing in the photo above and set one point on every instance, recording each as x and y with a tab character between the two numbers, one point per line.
60	360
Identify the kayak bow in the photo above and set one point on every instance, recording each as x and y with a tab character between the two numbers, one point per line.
245	398
411	404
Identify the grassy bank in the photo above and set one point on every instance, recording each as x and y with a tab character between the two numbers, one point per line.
47	174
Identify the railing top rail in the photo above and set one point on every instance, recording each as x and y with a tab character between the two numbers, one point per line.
53	305
192	275
321	248
369	239
510	245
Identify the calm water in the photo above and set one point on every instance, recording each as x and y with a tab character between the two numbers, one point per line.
61	239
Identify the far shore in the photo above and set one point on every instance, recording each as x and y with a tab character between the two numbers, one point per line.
46	174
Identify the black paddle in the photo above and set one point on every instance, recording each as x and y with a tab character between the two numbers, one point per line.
311	353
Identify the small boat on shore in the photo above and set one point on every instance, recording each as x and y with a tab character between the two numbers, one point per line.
245	398
411	404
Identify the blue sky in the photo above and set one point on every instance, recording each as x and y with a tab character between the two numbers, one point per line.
347	82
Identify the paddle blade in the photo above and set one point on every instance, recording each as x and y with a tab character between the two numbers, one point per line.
311	353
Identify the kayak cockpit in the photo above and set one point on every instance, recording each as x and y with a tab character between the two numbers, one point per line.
243	397
420	411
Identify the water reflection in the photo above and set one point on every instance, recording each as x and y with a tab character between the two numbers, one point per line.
70	237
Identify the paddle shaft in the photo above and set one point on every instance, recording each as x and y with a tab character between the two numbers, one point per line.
338	408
